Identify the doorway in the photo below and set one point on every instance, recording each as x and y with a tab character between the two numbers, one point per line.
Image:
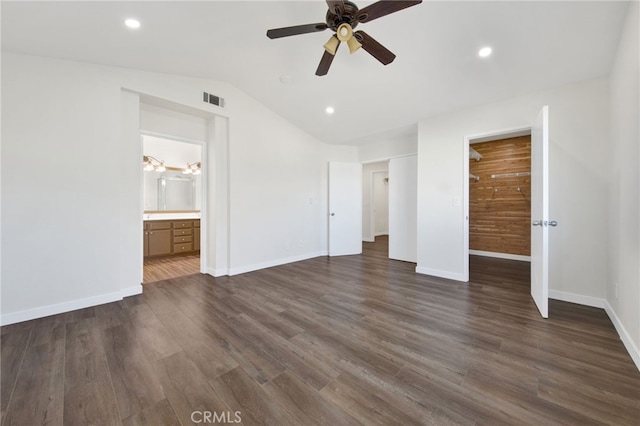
390	206
172	200
498	196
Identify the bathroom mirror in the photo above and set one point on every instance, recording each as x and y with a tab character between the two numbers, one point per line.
171	191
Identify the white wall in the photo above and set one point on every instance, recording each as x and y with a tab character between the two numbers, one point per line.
623	289
367	207
403	209
77	232
387	148
163	121
579	126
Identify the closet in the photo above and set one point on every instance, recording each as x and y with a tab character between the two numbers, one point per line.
500	198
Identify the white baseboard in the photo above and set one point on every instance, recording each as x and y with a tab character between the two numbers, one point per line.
131	291
624	335
369	240
501	255
277	262
594	302
441	274
72	305
220	272
380	234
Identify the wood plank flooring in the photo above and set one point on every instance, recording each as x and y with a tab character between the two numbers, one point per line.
163	268
327	341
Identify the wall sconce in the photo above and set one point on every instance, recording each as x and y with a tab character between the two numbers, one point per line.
194	168
150	163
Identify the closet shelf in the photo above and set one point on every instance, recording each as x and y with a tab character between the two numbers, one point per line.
510	175
475	155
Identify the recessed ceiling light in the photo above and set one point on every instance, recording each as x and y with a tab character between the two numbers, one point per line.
132	23
484	52
330	110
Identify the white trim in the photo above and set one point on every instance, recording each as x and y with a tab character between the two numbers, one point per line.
441	274
277	262
466	202
131	291
380	234
72	305
217	272
369	240
596	302
624	335
579	299
500	255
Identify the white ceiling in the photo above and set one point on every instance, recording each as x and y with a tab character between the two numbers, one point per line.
536	45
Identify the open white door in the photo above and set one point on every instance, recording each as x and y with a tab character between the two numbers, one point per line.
540	212
345	208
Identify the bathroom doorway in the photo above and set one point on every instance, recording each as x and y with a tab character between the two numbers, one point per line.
172	200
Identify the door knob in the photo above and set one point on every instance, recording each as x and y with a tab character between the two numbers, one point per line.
537	223
553	223
333	214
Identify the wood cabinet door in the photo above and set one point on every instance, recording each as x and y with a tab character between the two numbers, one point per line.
160	242
145	242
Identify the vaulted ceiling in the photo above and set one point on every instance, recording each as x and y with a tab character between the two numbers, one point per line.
536	45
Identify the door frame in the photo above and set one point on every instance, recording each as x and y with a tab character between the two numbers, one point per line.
204	190
468	140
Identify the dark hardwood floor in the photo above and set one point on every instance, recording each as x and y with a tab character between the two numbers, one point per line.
335	341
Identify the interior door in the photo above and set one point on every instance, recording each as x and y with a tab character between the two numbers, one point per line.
345	208
540	212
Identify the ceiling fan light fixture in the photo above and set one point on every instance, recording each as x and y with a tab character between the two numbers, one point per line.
353	44
332	45
344	32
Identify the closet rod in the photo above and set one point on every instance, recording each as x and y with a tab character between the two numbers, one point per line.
508	175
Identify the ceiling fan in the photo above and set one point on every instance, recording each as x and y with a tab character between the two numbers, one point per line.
342	17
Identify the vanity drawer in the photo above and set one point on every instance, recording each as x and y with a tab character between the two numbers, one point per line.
181	232
157	224
182	247
183	239
179	224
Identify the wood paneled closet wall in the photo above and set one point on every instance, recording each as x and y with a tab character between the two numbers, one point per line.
500	208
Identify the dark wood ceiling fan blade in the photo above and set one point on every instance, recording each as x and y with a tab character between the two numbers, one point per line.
384	7
298	29
325	63
336	6
378	51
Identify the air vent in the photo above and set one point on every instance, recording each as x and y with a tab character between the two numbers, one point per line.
212	99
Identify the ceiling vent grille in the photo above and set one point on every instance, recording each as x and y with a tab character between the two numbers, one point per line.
212	99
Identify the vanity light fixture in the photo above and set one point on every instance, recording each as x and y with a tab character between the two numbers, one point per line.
194	168
150	163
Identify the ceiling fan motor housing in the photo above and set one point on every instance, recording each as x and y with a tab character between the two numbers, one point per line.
334	20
